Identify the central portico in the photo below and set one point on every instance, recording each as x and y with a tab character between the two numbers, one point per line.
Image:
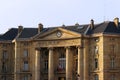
60	52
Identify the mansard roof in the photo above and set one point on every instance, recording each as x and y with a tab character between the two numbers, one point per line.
28	32
9	35
104	28
77	28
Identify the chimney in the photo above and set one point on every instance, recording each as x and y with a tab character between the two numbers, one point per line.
20	28
40	27
76	24
116	21
92	24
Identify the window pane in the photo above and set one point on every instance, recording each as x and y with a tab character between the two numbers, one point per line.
96	77
25	77
96	63
25	65
112	63
62	62
25	53
5	55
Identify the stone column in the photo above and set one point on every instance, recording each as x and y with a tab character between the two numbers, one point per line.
80	63
68	64
37	64
51	65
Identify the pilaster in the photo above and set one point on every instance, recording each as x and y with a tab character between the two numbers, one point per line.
80	63
17	61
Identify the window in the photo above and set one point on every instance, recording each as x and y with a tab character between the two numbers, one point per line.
3	78
96	63
112	39
112	63
26	53
96	77
26	65
4	67
76	64
46	64
62	62
112	48
4	45
96	49
25	77
112	77
5	55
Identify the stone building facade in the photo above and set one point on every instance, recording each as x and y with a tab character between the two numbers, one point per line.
77	52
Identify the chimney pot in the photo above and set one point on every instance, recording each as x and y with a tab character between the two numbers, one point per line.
116	21
92	24
20	28
40	27
77	24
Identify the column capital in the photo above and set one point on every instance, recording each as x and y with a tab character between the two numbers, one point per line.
50	48
67	47
38	49
79	46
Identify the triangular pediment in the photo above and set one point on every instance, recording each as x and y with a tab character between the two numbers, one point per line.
57	33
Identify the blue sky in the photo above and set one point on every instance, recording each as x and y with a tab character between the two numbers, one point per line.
29	13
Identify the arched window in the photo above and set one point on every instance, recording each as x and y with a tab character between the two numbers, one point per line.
96	77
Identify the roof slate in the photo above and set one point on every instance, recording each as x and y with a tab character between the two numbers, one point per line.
105	28
79	29
28	32
10	34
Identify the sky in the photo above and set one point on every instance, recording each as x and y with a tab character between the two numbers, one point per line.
52	13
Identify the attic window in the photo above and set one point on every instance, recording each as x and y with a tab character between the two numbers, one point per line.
4	45
25	44
80	27
112	39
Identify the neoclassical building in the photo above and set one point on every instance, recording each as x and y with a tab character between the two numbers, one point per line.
77	52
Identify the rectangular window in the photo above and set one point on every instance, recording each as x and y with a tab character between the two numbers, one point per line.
96	63
112	63
25	77
5	55
4	78
26	53
4	67
62	63
112	77
112	48
26	66
96	77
